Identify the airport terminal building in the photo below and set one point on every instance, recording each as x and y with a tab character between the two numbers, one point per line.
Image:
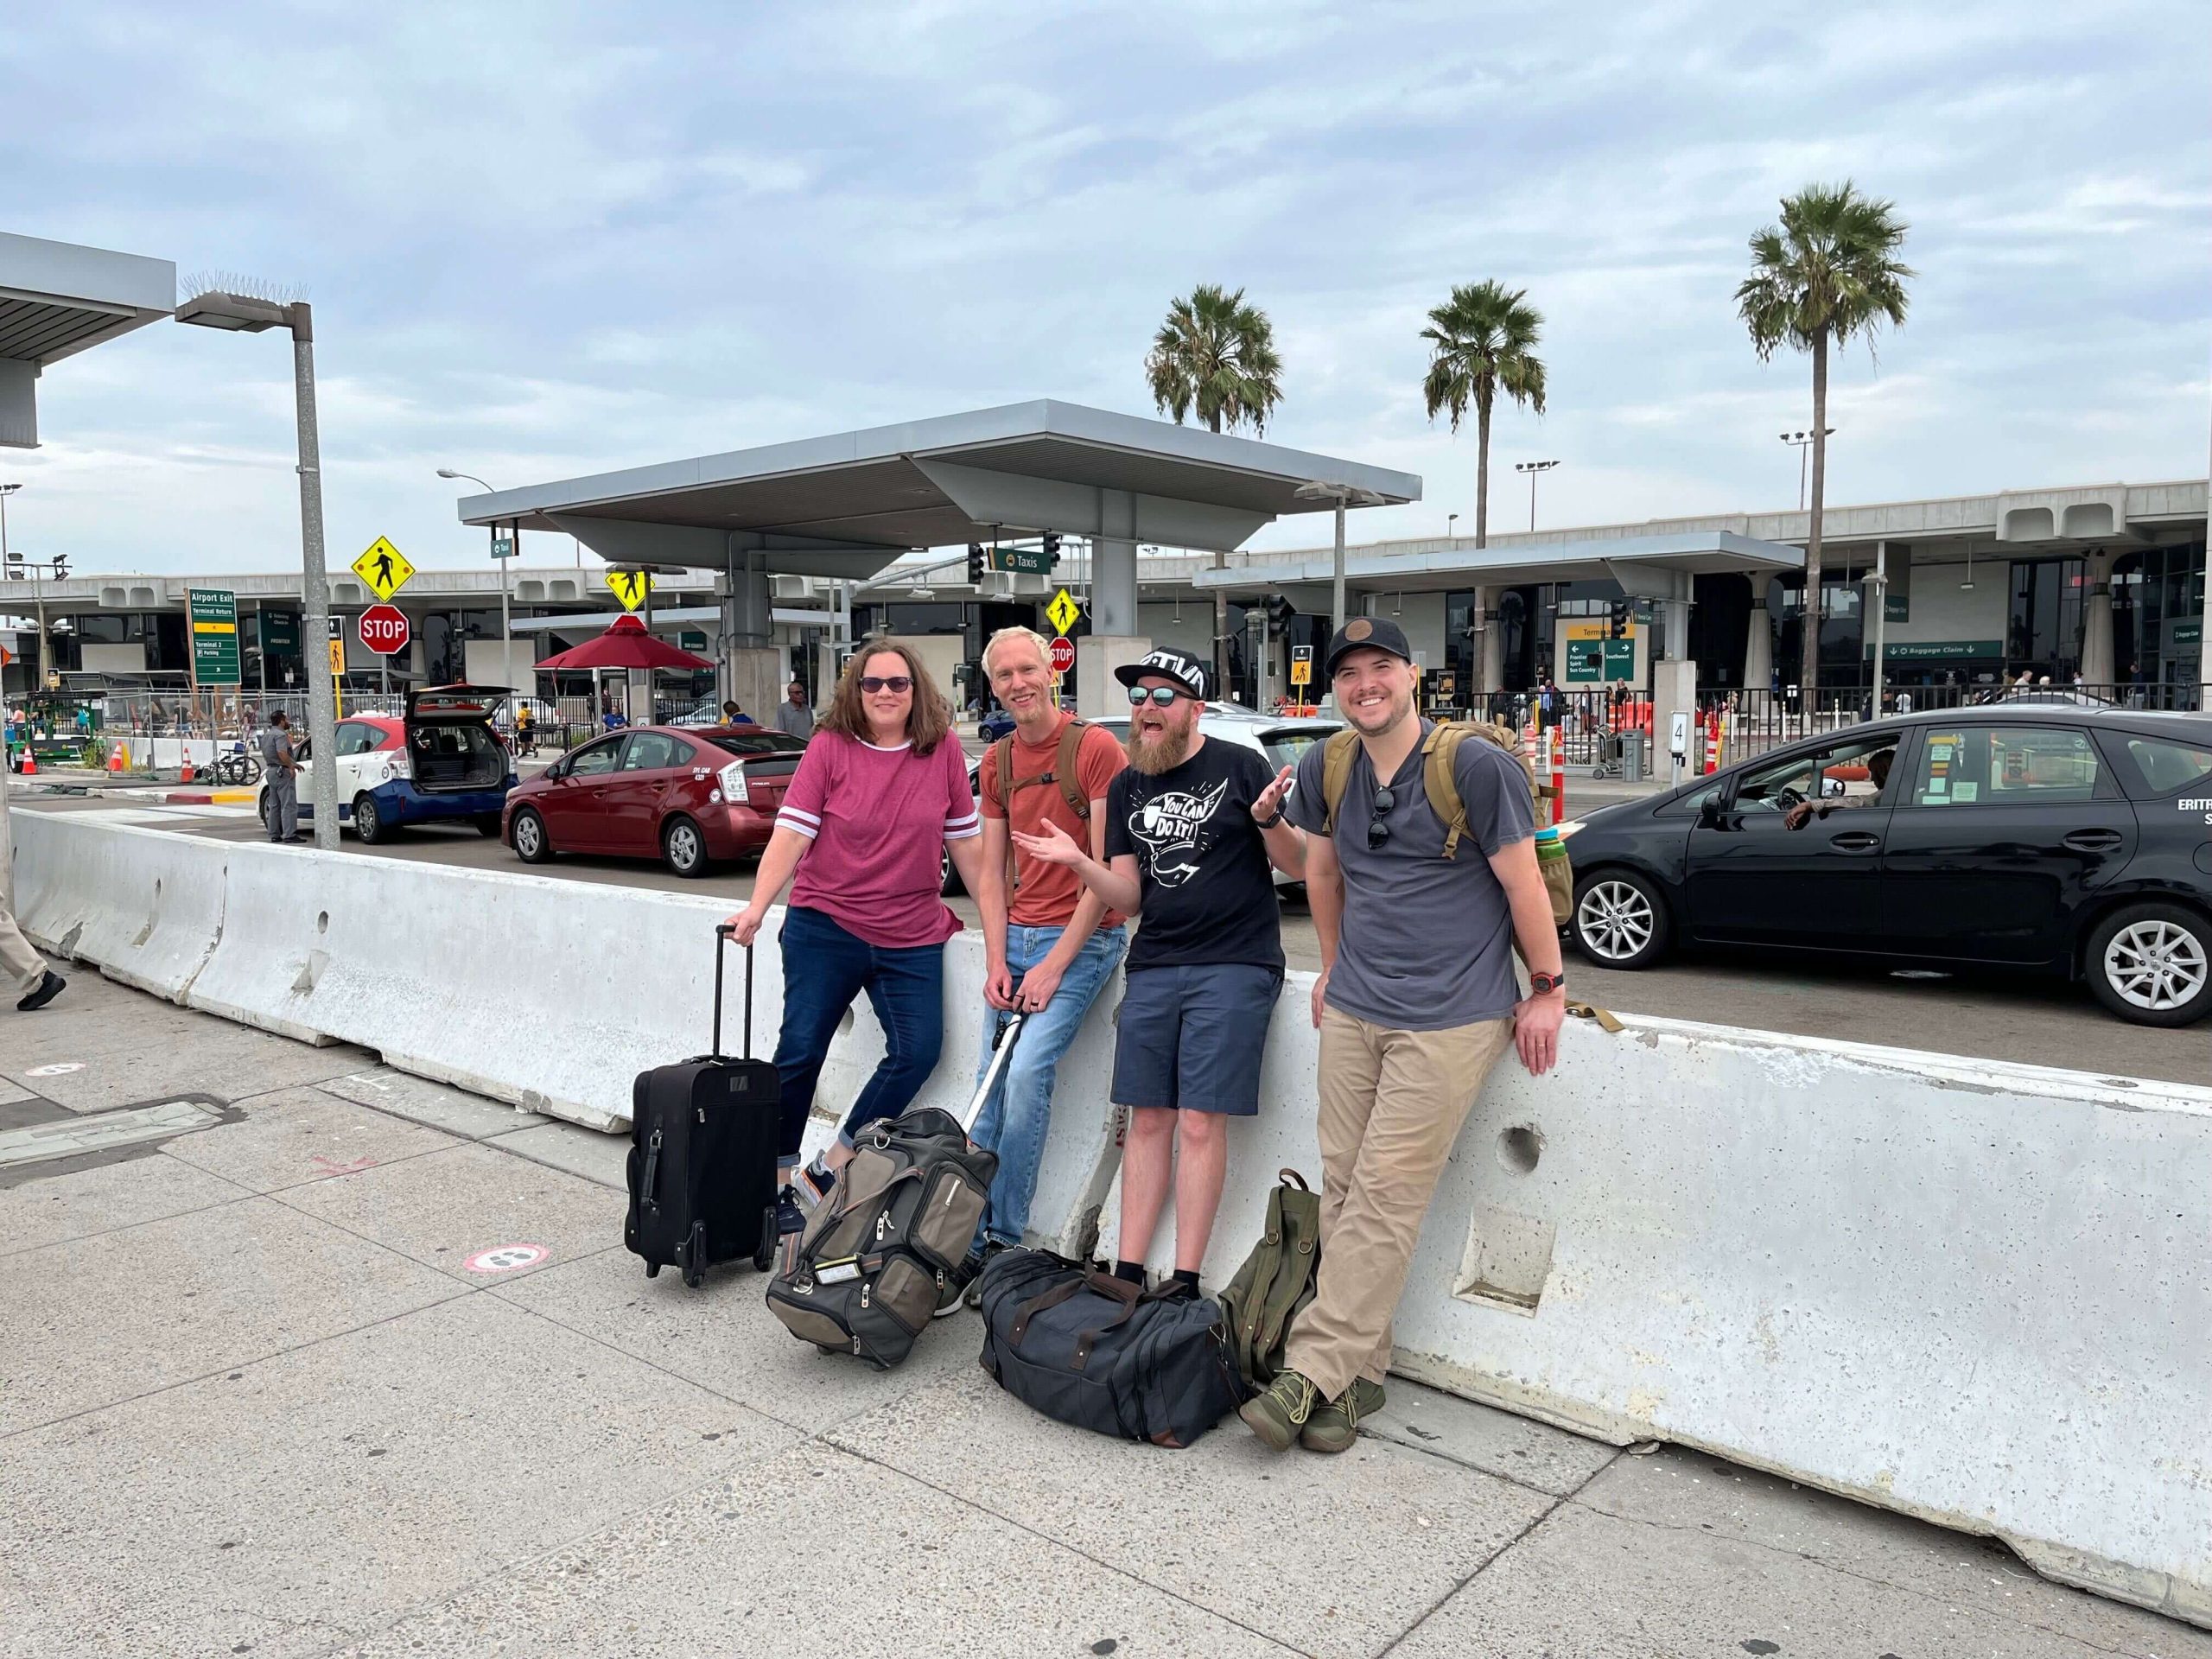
2103	582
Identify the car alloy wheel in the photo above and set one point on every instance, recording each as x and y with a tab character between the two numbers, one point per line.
366	824
2156	965
530	836
1615	922
686	850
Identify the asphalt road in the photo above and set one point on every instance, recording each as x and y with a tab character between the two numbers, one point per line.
1987	1016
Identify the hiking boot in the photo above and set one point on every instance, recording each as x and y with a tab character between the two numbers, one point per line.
1279	1411
43	993
1336	1426
974	1294
951	1287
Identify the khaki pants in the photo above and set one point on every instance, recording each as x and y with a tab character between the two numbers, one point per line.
20	965
1392	1104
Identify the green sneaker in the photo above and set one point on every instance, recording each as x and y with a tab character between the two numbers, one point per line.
1336	1426
1278	1411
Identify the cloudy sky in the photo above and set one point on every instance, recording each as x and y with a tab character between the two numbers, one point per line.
542	239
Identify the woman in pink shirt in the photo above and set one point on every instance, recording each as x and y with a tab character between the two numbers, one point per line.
883	787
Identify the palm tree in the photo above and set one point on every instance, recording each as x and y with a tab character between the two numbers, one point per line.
1216	354
1483	341
1830	272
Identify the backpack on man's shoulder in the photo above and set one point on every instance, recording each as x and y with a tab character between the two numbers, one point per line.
1065	771
1440	782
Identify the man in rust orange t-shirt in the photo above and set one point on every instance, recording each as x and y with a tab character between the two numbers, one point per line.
1041	926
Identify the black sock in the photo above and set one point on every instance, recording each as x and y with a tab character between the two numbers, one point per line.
1187	1276
1130	1272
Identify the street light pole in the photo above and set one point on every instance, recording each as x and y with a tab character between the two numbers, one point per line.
1804	441
1345	495
1532	468
514	552
245	314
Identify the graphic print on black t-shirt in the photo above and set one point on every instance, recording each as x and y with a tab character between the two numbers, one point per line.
1175	830
1202	867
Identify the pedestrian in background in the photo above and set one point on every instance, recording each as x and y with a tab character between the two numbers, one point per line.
20	965
792	715
881	788
281	766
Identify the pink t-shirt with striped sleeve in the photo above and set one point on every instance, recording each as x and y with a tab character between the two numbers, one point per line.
877	818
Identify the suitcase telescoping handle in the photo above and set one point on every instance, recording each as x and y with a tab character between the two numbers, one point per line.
1007	1027
723	932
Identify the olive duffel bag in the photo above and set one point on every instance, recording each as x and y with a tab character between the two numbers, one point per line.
1097	1353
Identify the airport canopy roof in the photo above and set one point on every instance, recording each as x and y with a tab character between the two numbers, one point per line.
847	505
1651	567
56	299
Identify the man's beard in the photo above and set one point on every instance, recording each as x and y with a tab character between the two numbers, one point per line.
1163	754
1398	709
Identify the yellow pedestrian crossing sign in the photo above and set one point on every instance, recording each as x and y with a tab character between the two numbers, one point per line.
383	570
631	586
1063	610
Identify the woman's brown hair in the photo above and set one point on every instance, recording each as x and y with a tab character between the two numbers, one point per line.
927	720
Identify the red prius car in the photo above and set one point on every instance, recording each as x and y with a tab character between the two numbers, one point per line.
687	796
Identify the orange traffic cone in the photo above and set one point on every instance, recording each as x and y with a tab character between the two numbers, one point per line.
186	777
115	759
30	761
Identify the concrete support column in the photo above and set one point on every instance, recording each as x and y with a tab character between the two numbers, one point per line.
2097	665
1674	690
1758	642
1098	692
1114	567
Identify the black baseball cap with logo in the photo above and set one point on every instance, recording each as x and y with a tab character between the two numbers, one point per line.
1361	632
1165	661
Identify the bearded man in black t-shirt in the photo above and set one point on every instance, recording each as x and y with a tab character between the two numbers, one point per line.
1190	830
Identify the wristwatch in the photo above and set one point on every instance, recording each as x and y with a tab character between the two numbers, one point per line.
1545	984
1270	823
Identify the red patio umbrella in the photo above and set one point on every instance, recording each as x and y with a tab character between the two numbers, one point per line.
626	645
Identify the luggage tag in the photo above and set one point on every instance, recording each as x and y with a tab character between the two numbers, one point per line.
840	1272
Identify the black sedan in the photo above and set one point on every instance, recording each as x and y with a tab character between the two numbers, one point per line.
2039	836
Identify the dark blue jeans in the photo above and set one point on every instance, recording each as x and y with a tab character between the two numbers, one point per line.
824	969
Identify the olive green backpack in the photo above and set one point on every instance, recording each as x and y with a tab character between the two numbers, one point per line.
1276	1281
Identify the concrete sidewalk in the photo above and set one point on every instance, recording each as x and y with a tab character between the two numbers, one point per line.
322	1358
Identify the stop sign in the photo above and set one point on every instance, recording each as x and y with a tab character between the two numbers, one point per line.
1063	655
383	629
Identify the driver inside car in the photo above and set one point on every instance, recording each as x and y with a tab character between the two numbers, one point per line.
1878	772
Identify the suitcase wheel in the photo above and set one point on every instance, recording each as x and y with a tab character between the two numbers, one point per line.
693	1278
764	1253
653	1269
824	1348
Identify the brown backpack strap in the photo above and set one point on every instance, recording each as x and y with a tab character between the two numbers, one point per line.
1068	769
1337	753
1438	750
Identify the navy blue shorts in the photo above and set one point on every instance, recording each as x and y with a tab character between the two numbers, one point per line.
1191	1038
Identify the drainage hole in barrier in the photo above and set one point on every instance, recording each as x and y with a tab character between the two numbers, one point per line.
1519	1147
322	921
845	1022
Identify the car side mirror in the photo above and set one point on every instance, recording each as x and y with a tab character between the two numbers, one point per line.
1709	813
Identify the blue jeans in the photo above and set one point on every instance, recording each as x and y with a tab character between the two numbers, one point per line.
824	969
1013	1120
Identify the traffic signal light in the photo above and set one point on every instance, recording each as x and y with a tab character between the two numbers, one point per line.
1281	612
1051	545
975	565
1616	619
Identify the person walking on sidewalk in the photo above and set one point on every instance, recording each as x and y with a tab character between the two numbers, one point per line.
20	965
1191	830
1412	1015
1049	942
881	789
282	767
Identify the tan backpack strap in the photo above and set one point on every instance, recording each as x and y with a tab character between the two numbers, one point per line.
999	759
1337	756
1603	1017
1067	766
1440	782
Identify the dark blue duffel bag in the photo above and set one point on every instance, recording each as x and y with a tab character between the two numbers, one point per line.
1093	1350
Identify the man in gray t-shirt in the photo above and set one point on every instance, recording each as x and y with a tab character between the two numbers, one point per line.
281	773
1415	1002
792	715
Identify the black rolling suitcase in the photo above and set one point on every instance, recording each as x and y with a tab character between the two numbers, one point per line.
702	1154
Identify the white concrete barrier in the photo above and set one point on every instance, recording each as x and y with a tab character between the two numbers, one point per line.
145	908
1973	1293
